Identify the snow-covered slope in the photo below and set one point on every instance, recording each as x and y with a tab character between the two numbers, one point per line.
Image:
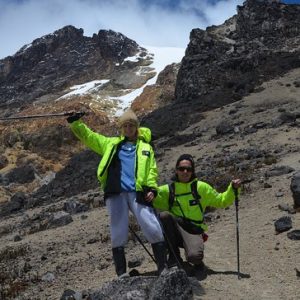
116	104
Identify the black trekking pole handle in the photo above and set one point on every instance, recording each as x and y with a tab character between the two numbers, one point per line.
141	242
236	201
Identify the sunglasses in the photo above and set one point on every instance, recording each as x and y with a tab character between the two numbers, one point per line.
128	125
182	169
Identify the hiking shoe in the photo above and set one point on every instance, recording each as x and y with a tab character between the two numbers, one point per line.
124	275
200	271
172	261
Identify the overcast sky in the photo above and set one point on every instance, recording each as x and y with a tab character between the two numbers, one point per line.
148	22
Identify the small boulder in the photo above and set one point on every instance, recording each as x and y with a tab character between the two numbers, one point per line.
164	287
283	224
24	174
59	219
279	170
48	277
3	161
294	235
74	207
71	295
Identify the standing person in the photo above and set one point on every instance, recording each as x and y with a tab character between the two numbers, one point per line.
127	173
183	204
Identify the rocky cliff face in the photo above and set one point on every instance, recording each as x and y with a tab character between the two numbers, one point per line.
43	69
259	43
227	62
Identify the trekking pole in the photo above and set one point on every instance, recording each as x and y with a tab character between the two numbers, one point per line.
236	201
167	240
141	242
63	114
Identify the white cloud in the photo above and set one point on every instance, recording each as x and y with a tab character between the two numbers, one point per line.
156	24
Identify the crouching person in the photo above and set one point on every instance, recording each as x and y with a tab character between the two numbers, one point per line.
183	205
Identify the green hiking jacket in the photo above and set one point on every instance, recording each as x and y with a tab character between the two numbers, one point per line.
145	164
184	204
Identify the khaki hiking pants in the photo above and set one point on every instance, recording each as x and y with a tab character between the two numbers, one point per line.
177	237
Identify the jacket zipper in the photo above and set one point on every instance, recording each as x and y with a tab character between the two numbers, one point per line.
108	161
136	160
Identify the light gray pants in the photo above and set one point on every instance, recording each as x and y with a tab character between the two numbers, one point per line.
118	207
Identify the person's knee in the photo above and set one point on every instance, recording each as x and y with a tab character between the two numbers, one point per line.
155	236
195	257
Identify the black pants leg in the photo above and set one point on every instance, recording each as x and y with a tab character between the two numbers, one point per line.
119	260
173	237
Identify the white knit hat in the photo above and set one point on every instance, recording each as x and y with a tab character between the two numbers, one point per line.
128	117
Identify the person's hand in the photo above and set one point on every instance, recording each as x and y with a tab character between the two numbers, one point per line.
75	116
236	183
149	197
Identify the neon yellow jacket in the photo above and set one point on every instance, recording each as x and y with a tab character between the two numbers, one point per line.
184	206
145	164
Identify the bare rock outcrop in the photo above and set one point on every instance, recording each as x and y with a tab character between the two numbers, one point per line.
171	284
258	43
222	64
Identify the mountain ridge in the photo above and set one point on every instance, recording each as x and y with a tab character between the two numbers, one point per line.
54	227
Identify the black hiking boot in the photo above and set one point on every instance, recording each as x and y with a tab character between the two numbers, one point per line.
119	260
199	266
160	254
200	271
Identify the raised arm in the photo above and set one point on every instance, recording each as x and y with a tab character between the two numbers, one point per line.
95	141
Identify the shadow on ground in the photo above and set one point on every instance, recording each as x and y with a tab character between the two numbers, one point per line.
207	271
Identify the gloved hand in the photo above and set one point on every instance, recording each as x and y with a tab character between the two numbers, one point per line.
75	116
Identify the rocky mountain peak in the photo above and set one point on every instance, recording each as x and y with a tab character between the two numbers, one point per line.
43	69
49	42
115	44
69	32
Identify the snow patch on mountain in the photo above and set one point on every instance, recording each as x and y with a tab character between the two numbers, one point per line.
162	56
85	88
